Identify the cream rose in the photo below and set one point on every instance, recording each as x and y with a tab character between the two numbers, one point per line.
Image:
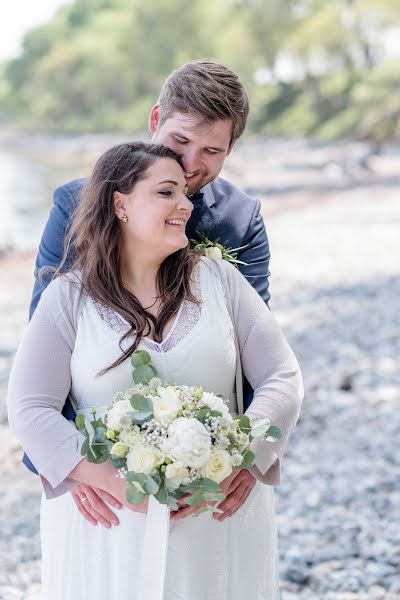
175	475
213	252
130	437
116	415
166	405
218	467
143	459
119	449
188	442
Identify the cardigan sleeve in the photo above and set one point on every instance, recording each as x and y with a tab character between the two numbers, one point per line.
39	385
271	368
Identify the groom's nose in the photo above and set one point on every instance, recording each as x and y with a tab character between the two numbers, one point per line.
190	160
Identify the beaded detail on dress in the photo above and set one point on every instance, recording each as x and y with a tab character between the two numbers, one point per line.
188	315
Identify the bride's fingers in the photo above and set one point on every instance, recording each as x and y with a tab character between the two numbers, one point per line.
81	508
95	506
234	506
106	497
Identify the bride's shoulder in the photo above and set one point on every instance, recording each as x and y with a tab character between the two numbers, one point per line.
64	294
219	268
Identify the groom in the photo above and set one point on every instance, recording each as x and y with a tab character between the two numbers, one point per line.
201	112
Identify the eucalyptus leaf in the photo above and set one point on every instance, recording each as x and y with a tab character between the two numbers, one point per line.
139	402
273	434
172	502
117	462
244	423
151	485
143	374
202	414
140	357
259	427
85	447
248	459
140	478
80	422
213	496
210	486
134	496
162	495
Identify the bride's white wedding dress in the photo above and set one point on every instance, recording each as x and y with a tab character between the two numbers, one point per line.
207	560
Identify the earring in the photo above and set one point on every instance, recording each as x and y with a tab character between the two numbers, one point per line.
125	218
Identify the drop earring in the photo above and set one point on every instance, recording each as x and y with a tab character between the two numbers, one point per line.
125	218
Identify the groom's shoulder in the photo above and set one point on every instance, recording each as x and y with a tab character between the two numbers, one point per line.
228	196
66	195
231	204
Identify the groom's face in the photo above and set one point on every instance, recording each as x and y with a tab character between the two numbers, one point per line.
202	148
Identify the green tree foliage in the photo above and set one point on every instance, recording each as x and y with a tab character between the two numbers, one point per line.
311	67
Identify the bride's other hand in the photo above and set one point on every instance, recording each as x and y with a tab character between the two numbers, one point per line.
237	491
236	488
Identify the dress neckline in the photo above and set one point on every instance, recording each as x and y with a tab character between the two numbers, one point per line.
186	318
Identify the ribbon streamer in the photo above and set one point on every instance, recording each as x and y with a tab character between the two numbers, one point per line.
155	548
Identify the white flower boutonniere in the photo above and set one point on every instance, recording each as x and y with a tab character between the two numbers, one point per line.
206	247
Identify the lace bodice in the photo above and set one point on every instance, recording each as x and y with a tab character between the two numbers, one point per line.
188	315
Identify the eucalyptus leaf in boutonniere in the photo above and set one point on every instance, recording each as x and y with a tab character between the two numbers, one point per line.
206	247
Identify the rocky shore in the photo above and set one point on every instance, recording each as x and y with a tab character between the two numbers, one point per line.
335	288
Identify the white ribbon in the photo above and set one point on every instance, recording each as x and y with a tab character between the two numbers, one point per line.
154	555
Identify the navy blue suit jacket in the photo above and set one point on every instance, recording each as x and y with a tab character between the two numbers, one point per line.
225	212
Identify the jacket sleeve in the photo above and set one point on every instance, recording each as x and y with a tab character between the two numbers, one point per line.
256	255
272	370
51	248
39	384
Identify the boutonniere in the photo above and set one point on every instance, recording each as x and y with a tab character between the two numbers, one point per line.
206	247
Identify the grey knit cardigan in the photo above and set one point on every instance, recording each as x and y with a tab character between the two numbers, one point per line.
40	379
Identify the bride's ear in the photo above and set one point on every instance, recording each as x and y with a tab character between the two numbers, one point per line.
119	204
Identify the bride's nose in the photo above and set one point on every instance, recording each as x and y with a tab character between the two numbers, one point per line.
185	204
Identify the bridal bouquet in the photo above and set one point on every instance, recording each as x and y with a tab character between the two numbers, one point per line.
171	441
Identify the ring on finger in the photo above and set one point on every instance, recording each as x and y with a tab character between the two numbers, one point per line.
84	500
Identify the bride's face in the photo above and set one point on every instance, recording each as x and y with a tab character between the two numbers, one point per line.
157	210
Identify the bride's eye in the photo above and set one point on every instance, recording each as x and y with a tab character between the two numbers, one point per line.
165	193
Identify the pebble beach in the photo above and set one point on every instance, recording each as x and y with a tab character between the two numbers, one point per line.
333	227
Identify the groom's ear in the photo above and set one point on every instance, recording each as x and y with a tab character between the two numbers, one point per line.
154	118
231	147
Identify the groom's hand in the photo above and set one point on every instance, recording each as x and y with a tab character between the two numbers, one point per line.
237	488
94	508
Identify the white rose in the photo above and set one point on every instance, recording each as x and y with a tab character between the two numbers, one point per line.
119	449
166	406
116	415
143	459
130	437
188	442
213	252
218	467
175	475
215	403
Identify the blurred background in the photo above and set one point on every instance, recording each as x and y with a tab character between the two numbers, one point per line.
322	153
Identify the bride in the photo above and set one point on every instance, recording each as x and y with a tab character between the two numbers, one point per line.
136	284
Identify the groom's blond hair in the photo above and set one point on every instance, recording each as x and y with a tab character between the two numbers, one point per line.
207	89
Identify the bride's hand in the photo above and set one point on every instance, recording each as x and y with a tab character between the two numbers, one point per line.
99	484
93	502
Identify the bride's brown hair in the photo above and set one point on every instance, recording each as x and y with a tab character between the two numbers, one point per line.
93	242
